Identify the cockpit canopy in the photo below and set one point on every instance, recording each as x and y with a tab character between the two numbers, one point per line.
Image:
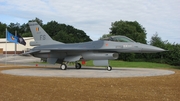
118	38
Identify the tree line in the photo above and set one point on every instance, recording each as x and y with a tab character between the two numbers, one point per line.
137	32
59	32
132	29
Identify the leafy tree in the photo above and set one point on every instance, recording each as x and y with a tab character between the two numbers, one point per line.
174	54
25	30
105	36
59	32
52	28
12	27
130	29
157	41
171	56
39	21
127	56
2	30
65	33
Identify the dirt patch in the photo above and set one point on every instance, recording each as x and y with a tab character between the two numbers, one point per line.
161	88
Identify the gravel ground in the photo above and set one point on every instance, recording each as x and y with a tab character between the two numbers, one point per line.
27	88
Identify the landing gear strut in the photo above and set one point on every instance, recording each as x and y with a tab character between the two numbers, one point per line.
109	68
78	66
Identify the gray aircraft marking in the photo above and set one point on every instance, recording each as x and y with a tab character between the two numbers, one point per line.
99	51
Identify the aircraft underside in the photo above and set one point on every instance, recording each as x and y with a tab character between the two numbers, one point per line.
99	59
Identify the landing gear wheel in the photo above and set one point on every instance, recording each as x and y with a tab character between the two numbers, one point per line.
63	66
78	66
109	68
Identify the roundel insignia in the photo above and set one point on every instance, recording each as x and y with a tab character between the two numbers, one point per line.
106	44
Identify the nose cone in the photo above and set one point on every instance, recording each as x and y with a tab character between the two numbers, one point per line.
151	49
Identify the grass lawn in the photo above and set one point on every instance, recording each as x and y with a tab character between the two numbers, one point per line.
118	63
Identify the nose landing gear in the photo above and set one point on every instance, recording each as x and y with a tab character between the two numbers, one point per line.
109	68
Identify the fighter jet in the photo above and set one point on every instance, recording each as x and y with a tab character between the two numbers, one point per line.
99	51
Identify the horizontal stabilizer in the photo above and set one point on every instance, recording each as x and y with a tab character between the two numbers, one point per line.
30	52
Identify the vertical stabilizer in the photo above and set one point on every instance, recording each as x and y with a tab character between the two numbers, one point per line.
40	36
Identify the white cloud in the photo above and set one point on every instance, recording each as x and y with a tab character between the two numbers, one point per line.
95	16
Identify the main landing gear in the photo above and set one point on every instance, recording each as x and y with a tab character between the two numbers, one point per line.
64	66
78	66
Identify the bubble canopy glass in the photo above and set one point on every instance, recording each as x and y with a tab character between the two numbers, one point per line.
118	38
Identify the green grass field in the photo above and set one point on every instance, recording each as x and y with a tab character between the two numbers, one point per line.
118	63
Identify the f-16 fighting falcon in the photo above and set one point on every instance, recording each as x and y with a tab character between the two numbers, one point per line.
99	51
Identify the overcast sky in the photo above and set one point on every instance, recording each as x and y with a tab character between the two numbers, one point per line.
95	16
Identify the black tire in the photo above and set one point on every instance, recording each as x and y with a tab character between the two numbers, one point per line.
109	68
78	66
63	67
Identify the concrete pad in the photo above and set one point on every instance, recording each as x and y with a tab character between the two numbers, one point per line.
88	72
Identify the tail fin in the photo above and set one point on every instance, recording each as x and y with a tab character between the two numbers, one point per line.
40	36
